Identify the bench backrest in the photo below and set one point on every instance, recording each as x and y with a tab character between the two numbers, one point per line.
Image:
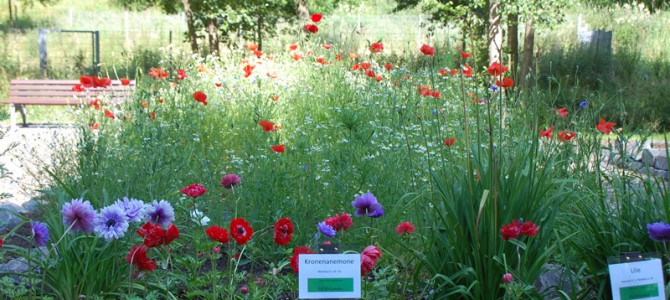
59	92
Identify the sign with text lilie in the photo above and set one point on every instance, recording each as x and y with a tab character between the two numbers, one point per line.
636	278
329	276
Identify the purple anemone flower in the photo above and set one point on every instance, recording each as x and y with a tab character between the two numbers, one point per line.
659	231
133	208
79	215
326	229
111	223
40	232
367	205
160	212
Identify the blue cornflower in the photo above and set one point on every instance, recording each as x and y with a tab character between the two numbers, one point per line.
79	214
160	212
583	104
326	229
367	204
111	223
40	232
133	208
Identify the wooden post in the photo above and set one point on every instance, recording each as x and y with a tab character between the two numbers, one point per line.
11	22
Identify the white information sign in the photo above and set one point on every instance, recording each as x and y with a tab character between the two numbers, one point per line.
327	276
637	280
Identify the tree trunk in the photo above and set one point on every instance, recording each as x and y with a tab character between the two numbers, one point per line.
259	33
513	43
213	32
191	27
301	9
495	32
11	22
527	59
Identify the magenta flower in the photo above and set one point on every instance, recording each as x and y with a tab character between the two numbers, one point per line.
230	180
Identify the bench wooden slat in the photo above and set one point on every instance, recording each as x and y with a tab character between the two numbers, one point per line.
64	88
60	94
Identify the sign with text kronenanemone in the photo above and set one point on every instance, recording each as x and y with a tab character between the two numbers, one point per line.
328	276
636	278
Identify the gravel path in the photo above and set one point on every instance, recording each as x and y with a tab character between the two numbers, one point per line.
30	152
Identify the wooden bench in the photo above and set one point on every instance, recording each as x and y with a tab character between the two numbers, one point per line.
59	92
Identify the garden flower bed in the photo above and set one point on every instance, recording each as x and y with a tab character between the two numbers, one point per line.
446	179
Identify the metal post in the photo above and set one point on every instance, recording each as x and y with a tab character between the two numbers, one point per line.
97	51
42	44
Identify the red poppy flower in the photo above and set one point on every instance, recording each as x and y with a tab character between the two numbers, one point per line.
340	222
267	125
194	190
252	47
605	127
449	142
529	229
78	88
454	72
388	67
506	83
565	136
258	53
279	148
327	46
248	70
370	73
292	47
442	72
495	69
158	73
86	81
109	114
511	231
241	231
275	98
379	78
465	54
427	50
154	235
282	231
321	60
355	67
405	228
547	133
181	74
152	115
218	234
338	56
377	47
562	111
138	257
1	241
365	65
316	18
95	126
294	258
297	56
125	81
353	55
218	84
97	104
369	258
467	70
200	97
312	28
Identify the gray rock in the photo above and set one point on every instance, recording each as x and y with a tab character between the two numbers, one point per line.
661	161
648	156
555	277
8	218
659	173
33	205
17	265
